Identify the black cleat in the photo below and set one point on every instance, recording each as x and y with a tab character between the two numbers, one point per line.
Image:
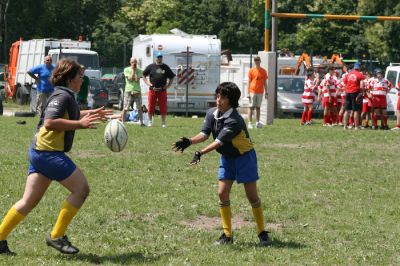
224	240
4	250
264	239
62	244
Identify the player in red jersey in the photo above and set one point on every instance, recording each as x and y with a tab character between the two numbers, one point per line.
308	97
367	103
329	101
380	86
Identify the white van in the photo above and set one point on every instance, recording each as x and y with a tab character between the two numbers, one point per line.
393	75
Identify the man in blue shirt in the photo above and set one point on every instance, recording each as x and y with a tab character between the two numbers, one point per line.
41	74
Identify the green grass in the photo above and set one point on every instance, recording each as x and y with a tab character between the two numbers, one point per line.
331	197
12	106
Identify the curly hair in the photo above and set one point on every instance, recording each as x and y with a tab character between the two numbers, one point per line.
66	69
230	90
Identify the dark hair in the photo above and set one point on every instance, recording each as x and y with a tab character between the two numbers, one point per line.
310	72
65	70
230	90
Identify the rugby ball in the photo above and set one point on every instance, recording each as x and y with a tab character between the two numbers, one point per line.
115	135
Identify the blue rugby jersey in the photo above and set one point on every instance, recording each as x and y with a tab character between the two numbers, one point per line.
61	104
230	130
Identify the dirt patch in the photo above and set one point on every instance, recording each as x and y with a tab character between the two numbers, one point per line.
209	223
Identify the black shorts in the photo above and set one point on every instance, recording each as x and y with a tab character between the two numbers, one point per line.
353	102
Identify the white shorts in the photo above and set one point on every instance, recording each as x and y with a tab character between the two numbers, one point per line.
256	99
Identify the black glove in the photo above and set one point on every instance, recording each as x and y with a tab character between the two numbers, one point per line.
181	144
196	158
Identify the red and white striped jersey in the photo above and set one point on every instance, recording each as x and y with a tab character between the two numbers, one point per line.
310	85
329	85
380	87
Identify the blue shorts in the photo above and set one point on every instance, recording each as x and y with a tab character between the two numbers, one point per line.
243	169
54	165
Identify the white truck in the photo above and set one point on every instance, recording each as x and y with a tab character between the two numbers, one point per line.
26	54
392	74
202	74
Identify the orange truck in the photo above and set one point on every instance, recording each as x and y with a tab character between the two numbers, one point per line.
26	54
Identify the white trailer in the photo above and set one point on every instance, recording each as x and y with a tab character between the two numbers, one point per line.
204	67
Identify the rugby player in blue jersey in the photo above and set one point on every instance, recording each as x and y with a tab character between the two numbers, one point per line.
48	161
238	157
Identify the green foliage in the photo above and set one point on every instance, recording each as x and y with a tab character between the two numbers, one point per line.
111	25
325	192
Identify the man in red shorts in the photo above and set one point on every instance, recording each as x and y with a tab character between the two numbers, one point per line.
159	77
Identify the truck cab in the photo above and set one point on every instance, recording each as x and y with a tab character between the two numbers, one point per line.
88	58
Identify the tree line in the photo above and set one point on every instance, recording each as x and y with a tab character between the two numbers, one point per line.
111	25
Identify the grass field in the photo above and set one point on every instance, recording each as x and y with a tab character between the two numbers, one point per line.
331	197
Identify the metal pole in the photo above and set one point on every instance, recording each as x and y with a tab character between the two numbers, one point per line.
187	81
274	49
267	25
274	23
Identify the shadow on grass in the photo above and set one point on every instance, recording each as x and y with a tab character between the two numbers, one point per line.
125	258
276	243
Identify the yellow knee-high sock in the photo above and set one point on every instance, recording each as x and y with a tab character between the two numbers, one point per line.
226	216
64	219
258	216
11	220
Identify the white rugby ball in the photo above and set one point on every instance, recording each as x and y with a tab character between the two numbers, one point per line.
115	135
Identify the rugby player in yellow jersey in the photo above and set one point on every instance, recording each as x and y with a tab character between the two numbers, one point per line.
238	157
48	161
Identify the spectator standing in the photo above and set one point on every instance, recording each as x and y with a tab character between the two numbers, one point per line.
82	96
41	74
132	93
159	77
354	90
257	85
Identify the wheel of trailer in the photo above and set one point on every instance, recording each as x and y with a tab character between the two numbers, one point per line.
24	114
22	95
19	95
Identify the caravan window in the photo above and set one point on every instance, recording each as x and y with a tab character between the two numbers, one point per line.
181	60
54	58
148	51
90	61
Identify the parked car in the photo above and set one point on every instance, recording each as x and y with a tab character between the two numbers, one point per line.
107	80
290	89
98	94
116	91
